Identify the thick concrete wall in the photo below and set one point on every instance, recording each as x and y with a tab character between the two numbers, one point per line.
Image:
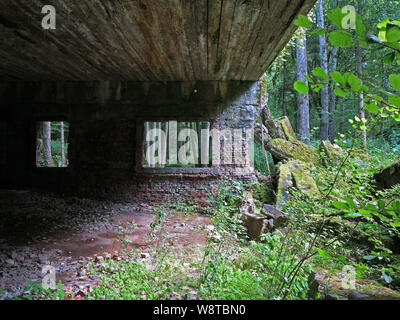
105	140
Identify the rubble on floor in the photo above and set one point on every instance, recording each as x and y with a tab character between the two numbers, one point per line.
38	230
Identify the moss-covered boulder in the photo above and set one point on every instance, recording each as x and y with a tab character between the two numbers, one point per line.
274	129
332	151
388	177
287	129
285	182
288	150
295	174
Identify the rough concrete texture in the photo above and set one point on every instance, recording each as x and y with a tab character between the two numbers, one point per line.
147	40
286	150
332	151
295	174
106	135
389	177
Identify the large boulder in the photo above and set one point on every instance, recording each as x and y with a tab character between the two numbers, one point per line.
280	129
269	219
278	217
287	150
295	174
256	225
287	129
274	129
388	177
332	151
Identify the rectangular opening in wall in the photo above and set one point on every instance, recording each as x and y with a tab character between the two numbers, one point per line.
52	144
176	144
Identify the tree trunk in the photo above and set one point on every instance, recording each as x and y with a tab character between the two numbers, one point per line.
332	107
303	100
361	109
385	85
38	144
62	144
342	118
48	160
284	89
324	66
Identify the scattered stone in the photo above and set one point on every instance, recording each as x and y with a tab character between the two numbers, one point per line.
284	150
388	177
255	225
355	295
332	151
287	129
332	296
99	259
10	262
295	174
279	218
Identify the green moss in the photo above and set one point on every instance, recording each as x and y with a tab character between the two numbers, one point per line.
284	183
296	174
262	192
297	150
287	129
303	179
333	152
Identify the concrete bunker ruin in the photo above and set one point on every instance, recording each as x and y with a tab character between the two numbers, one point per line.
109	67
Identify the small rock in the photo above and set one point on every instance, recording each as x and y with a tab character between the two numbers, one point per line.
10	262
99	259
144	255
332	296
355	295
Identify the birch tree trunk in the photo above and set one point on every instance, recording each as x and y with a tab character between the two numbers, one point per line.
62	144
46	134
284	88
303	100
38	144
324	66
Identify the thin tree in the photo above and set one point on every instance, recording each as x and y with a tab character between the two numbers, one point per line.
324	65
303	100
38	143
361	109
46	134
332	106
62	144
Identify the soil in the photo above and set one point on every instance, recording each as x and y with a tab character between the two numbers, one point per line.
38	229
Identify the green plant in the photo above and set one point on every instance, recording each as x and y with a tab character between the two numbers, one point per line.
37	292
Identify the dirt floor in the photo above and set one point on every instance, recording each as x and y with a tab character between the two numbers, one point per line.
38	229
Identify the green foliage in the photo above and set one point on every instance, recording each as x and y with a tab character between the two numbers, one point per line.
360	226
37	292
349	83
132	280
256	272
260	160
301	87
237	269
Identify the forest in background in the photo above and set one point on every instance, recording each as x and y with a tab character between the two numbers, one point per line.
328	113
